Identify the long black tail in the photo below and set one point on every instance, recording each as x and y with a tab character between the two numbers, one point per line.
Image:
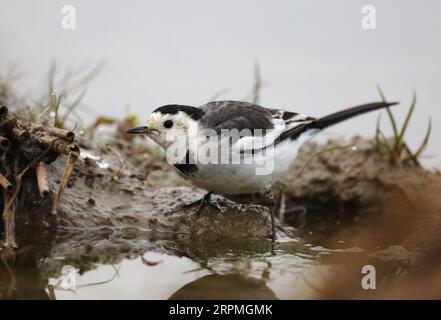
331	119
334	118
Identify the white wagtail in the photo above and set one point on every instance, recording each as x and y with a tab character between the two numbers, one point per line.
282	131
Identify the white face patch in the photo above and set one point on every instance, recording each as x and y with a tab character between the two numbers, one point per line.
165	136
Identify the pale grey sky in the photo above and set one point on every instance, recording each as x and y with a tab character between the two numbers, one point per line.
314	56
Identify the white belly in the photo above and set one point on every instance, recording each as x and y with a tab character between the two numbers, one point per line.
242	178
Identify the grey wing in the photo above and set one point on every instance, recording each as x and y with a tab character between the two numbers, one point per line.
236	115
291	119
296	124
242	115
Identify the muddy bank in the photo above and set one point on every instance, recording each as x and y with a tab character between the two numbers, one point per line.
330	185
347	207
352	183
96	198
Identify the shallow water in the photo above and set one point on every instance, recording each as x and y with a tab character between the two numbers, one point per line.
90	252
206	271
183	278
107	269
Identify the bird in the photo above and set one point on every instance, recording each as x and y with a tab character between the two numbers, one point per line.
250	147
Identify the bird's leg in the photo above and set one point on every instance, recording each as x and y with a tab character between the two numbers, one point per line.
270	203
201	202
204	201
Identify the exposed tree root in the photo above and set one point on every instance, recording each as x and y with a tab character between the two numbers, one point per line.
24	147
9	221
73	156
43	185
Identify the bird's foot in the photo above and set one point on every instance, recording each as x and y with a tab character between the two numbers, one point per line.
270	204
201	203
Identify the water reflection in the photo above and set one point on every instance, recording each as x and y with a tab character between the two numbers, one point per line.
21	277
134	279
110	267
231	286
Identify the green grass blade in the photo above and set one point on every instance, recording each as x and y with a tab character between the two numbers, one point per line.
389	113
386	143
377	130
392	121
338	147
380	91
406	121
72	106
425	141
257	84
51	77
57	107
410	156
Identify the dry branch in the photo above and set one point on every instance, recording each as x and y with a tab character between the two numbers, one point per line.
20	133
73	156
24	147
9	221
43	185
57	144
5	183
62	133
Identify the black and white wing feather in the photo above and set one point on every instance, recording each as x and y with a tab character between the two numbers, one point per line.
258	127
276	125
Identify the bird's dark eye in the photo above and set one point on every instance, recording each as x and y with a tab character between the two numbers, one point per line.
168	124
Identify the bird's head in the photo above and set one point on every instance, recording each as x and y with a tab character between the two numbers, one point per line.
168	123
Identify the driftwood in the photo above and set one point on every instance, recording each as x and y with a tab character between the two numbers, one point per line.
5	183
22	148
43	185
62	133
73	156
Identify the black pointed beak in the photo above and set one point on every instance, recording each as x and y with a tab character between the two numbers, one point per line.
138	130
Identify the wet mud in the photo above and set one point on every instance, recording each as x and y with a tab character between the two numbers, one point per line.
337	207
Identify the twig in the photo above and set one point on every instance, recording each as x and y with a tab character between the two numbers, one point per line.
5	183
41	172
58	145
62	133
20	133
9	220
73	156
19	178
13	284
23	136
338	147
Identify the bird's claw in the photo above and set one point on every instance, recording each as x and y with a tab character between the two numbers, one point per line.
201	203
